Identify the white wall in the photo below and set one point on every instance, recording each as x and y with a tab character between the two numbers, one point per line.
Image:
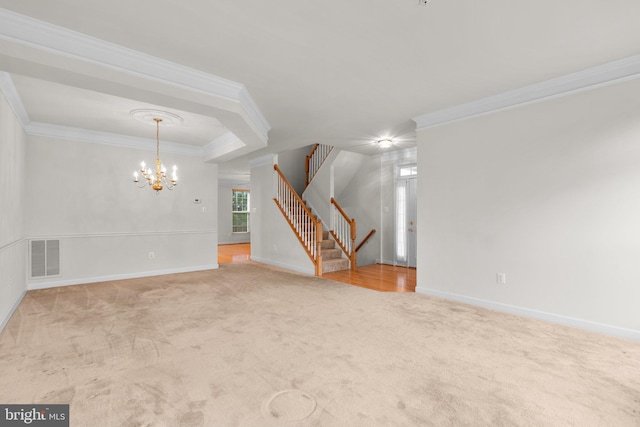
548	193
12	244
388	163
83	194
321	189
292	164
272	240
360	197
225	217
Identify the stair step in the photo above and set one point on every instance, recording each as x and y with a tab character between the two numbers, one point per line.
325	235
335	264
331	253
327	244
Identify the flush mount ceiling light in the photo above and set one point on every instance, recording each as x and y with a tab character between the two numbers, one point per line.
384	143
156	180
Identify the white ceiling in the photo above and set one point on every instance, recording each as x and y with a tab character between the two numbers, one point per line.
49	102
337	72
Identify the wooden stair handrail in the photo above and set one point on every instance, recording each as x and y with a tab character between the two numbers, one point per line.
337	240
298	198
306	165
342	212
371	233
317	262
325	150
352	225
317	258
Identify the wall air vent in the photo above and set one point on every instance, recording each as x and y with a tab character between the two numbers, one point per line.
45	258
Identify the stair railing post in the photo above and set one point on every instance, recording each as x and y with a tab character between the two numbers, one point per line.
318	247
353	256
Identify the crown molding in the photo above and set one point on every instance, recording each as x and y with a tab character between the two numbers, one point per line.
13	98
106	138
590	78
32	32
269	159
222	145
254	112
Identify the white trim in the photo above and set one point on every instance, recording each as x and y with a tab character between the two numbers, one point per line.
11	244
13	309
385	261
87	280
118	234
559	319
112	139
590	78
254	112
41	35
13	98
224	144
310	271
269	159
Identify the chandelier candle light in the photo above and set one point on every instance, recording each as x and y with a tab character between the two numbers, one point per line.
157	179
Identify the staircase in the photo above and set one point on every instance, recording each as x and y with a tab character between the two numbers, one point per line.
332	259
307	227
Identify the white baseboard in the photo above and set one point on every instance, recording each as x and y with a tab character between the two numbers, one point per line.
13	309
55	284
312	272
587	325
385	261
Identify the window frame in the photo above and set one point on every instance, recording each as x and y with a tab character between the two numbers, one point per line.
246	212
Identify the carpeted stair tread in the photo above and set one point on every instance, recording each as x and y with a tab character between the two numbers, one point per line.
331	253
327	244
334	264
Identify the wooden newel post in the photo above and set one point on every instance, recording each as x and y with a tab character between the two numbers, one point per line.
318	248
306	172
353	256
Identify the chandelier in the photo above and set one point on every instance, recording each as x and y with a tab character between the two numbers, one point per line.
157	179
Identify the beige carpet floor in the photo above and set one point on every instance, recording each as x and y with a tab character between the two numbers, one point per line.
253	345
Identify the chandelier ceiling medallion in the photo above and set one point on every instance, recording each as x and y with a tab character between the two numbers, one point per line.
157	179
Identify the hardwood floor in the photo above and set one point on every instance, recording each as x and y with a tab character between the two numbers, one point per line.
379	277
234	252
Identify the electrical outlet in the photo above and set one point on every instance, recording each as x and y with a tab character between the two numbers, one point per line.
501	278
152	255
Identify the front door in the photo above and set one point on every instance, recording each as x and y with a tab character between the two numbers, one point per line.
406	251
